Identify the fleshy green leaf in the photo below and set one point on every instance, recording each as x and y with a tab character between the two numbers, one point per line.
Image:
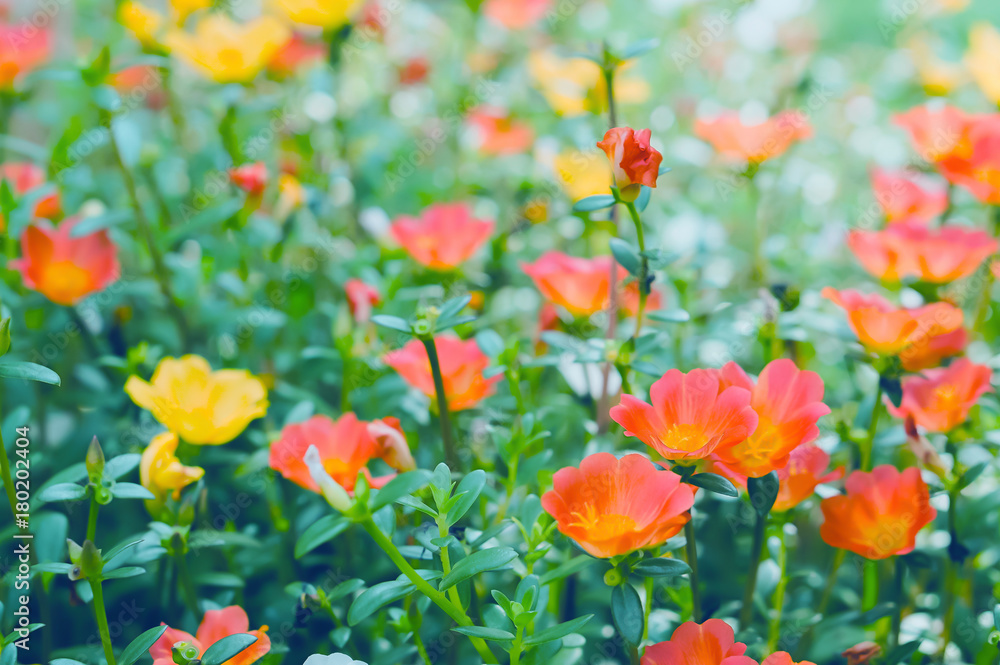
478	562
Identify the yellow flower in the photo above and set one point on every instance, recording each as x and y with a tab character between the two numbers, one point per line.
938	77
983	59
573	86
583	174
184	8
227	51
145	23
161	472
201	406
323	13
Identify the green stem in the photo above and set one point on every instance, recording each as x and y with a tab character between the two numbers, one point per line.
644	270
869	596
92	520
146	229
515	650
774	634
867	447
691	549
102	621
187	584
897	598
456	613
756	552
8	480
450	454
650	586
838	560
446	560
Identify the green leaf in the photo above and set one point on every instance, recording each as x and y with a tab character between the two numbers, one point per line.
210	218
400	486
226	648
54	567
130	491
121	573
625	255
492	634
564	570
713	483
670	315
626	612
970	474
902	653
638	48
476	563
393	322
95	223
763	492
557	632
140	645
661	567
375	598
642	201
62	492
116	467
592	203
996	616
466	494
322	530
29	371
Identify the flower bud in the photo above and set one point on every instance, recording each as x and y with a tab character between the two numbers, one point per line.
334	494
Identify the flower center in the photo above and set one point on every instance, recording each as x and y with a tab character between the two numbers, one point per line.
64	281
603	526
688	438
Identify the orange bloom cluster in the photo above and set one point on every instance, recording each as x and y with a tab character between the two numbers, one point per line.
583	286
443	237
939	400
612	506
22	49
216	625
722	415
754	143
921	337
345	447
495	133
911	249
710	643
881	513
462	365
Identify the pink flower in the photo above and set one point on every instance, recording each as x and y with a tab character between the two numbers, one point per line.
361	298
903	196
443	237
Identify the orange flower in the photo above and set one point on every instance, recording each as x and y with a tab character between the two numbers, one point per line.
904	198
979	170
297	53
63	268
462	365
613	506
24	177
22	48
251	178
692	415
445	235
806	469
709	643
928	350
887	330
633	160
216	625
754	143
881	513
783	658
361	298
582	286
516	14
938	134
497	134
788	402
939	400
345	447
911	249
